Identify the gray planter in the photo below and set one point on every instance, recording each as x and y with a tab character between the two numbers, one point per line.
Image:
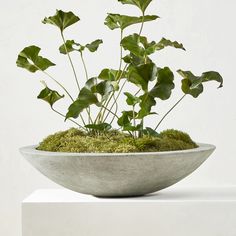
117	175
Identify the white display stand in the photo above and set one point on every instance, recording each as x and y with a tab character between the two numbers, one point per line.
171	212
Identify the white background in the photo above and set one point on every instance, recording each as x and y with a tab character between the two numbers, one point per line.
207	30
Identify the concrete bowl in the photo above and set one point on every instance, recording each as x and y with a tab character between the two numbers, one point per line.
117	174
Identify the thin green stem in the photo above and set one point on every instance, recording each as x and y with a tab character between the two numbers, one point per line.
118	95
175	105
57	83
134	121
87	78
59	113
110	111
84	65
72	65
121	50
141	28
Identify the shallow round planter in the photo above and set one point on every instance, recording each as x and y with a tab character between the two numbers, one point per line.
117	175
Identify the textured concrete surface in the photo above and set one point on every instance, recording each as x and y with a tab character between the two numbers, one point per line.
117	175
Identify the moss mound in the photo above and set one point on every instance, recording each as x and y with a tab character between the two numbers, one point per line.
74	140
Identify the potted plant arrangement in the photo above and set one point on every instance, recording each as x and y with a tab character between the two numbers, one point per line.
113	153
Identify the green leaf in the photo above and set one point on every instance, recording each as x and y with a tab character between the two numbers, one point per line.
132	44
135	60
193	85
71	46
30	60
92	47
104	88
50	96
117	21
141	4
141	48
150	132
111	75
100	127
141	75
62	19
164	85
131	99
85	99
167	43
147	102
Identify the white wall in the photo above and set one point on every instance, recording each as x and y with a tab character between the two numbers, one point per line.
205	27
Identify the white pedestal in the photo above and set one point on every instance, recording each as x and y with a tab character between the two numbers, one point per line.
171	212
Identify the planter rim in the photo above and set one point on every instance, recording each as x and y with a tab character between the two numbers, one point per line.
32	150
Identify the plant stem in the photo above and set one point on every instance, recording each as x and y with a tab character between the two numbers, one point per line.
110	111
68	119
72	65
121	50
87	78
141	29
57	83
84	65
118	95
134	121
175	105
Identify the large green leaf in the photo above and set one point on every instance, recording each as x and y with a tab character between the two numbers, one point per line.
71	46
132	44
50	96
193	85
30	60
141	4
62	19
117	21
142	75
164	85
85	99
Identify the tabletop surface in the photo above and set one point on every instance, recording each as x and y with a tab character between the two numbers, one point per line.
172	194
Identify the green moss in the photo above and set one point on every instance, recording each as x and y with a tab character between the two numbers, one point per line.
74	140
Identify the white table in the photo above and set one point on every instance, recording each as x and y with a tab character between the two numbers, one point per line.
171	212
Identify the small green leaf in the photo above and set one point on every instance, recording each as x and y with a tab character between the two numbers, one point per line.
92	47
147	102
167	43
141	75
131	99
104	88
193	85
117	21
50	96
100	127
30	60
85	99
150	132
69	47
164	85
141	4
62	19
111	75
